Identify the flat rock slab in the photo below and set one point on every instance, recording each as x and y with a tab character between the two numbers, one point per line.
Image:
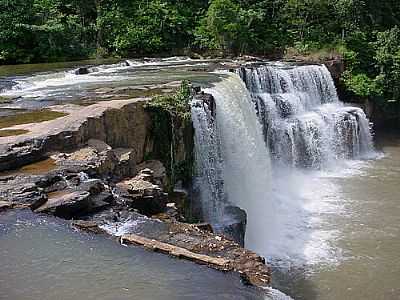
66	205
119	123
187	241
179	252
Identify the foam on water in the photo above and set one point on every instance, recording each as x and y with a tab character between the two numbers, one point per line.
312	137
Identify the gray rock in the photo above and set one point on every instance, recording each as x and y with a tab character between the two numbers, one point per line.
68	205
235	229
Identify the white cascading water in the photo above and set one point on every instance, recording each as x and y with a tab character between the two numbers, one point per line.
305	128
245	157
208	181
304	122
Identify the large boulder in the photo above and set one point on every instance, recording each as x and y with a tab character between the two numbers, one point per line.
100	159
66	205
87	197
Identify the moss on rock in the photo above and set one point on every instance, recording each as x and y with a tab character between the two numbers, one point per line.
172	133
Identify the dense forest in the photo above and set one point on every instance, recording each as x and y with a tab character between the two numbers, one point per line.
365	32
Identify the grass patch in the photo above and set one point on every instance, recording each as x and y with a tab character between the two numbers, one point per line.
36	116
12	132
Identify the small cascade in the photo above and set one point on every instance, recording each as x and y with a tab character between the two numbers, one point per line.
304	123
208	181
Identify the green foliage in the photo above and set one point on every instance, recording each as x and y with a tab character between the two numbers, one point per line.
176	105
361	84
171	119
364	32
387	57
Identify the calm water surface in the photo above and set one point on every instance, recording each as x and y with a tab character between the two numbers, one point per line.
42	258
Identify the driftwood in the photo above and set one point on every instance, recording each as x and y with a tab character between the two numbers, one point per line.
217	262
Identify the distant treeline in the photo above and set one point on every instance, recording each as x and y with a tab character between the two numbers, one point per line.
364	32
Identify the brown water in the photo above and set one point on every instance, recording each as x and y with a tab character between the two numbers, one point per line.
41	258
368	235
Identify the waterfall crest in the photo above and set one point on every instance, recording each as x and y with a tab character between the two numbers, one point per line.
305	124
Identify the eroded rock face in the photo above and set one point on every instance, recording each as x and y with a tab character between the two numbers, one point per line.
143	194
120	124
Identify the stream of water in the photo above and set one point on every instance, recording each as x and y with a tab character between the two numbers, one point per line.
322	202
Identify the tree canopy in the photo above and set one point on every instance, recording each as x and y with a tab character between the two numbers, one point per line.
364	32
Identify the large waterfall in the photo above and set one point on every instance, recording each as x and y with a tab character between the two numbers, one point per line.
271	125
304	122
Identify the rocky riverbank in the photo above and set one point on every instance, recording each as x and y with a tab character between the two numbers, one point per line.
105	168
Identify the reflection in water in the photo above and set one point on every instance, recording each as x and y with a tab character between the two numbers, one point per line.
41	258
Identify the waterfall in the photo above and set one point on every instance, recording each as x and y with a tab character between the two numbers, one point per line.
273	126
304	123
231	156
208	181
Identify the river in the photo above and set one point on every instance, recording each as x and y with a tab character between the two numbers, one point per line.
330	231
366	226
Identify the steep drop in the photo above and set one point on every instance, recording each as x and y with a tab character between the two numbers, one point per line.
305	124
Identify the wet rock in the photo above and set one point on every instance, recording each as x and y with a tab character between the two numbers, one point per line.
100	202
235	228
5	205
22	191
336	67
208	100
85	70
140	193
205	227
90	226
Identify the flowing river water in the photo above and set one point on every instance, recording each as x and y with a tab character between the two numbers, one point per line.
330	232
359	210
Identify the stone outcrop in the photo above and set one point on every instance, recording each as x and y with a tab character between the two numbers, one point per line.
142	194
119	123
